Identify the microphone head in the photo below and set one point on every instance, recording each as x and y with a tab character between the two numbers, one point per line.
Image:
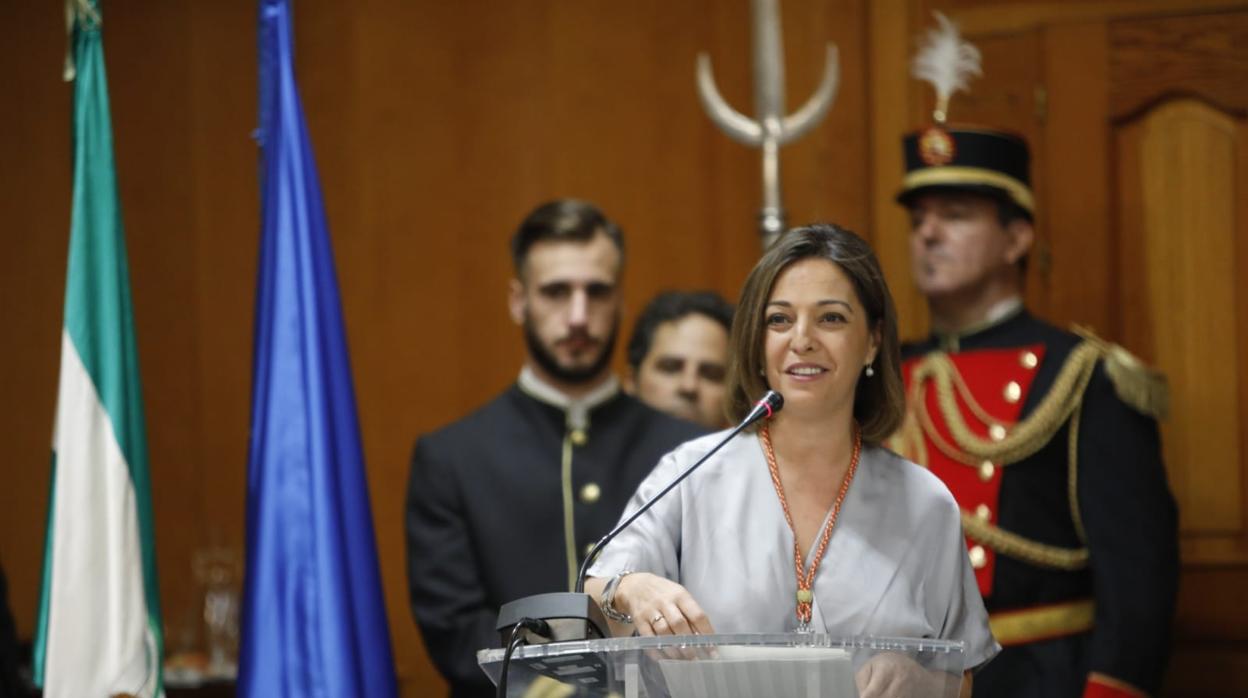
772	401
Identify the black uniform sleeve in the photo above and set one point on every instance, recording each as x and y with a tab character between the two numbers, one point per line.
1130	519
448	600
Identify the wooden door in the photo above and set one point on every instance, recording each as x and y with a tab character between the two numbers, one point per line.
1178	136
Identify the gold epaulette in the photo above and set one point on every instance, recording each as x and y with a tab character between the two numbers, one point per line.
1140	386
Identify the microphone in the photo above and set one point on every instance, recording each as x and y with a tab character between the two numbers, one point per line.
575	615
767	405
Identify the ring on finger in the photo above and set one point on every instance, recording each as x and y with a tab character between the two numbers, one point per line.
657	619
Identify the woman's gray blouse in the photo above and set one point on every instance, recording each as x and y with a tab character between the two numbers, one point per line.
896	565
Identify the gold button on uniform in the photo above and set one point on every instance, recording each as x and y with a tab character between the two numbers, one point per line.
1028	359
578	437
983	512
589	549
987	470
1013	391
996	432
590	493
979	558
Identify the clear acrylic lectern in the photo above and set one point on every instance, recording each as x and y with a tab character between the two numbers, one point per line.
733	666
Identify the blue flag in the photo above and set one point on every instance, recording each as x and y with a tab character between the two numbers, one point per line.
314	620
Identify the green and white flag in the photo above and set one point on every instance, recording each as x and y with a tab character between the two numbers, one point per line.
99	631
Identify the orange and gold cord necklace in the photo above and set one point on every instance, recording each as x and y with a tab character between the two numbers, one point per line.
806	579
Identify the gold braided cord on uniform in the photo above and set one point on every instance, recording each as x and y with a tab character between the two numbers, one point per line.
908	441
1137	385
929	427
569	515
1062	403
1019	547
977	410
1141	387
1027	436
1072	479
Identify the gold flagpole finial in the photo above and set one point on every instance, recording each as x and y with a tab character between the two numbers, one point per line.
76	10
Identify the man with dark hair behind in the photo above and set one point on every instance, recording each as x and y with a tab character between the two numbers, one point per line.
504	503
678	355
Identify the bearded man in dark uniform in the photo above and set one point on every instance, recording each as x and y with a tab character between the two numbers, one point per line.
1046	438
505	502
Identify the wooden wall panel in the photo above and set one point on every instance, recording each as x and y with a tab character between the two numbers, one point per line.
892	115
1199	55
160	235
436	127
1183	158
35	171
1210	657
982	16
1075	273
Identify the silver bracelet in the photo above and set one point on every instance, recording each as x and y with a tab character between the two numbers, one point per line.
608	599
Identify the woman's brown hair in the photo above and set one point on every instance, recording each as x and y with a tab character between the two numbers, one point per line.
879	400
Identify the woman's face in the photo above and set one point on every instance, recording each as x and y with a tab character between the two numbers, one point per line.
817	338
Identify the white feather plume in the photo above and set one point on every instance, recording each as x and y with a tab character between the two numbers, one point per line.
946	61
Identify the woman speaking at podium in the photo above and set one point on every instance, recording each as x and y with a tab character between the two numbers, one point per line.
803	522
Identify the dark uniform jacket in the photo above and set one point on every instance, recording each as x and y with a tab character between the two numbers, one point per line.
485	512
1078	565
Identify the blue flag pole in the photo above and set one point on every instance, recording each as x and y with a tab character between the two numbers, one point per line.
314	619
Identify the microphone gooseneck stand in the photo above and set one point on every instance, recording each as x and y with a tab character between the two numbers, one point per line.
563	616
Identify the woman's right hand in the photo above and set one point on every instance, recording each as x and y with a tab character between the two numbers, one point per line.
660	606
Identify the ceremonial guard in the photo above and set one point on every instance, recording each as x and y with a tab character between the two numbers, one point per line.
1046	438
